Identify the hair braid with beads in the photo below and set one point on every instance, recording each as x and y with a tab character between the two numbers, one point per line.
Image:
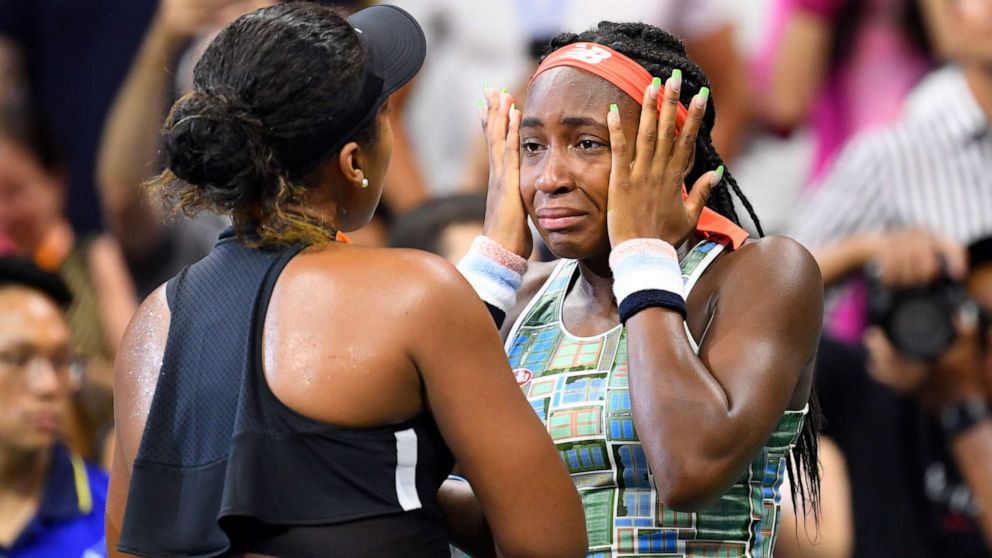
660	52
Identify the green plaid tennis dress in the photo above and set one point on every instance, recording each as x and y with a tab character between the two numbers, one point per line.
578	387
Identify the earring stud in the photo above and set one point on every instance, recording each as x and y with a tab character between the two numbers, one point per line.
365	183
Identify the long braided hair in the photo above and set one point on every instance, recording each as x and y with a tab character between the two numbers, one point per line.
659	53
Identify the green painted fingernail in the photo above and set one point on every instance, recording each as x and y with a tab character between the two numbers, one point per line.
699	101
717	176
481	103
513	107
677	74
614	107
656	82
505	91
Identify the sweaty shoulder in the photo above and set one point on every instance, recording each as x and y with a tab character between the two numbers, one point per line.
136	369
373	269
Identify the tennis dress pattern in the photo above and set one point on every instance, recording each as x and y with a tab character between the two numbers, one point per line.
578	387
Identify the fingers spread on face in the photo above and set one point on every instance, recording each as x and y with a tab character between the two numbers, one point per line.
511	156
700	192
647	130
686	144
496	121
619	150
667	129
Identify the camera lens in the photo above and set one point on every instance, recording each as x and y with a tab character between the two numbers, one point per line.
921	326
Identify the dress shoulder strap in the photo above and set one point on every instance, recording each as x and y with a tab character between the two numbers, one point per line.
693	266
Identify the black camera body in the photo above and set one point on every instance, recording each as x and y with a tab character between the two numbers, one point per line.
919	321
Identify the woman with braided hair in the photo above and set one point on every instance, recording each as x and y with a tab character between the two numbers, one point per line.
668	354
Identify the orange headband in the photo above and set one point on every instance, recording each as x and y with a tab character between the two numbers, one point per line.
608	64
631	78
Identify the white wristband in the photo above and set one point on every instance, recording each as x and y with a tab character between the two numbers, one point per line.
494	272
646	273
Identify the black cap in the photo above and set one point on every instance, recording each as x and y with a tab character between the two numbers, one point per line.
396	48
395	42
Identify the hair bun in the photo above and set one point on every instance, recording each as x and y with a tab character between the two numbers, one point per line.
214	143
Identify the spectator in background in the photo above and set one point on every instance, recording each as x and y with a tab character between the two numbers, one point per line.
444	226
129	150
869	91
33	183
839	65
52	501
921	180
470	42
905	198
918	479
74	55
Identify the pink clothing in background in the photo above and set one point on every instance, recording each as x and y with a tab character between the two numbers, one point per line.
7	246
867	88
864	90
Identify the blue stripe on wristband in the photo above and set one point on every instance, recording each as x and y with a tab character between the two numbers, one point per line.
646	273
639	300
495	283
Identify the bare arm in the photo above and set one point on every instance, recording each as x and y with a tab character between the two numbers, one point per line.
466	524
131	137
717	54
522	485
850	255
731	396
708	415
797	71
135	375
115	294
904	258
130	143
833	536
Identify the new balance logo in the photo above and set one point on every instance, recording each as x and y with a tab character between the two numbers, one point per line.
588	53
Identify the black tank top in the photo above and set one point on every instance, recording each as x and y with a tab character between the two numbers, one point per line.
225	467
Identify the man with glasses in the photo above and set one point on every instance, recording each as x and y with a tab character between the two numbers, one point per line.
51	502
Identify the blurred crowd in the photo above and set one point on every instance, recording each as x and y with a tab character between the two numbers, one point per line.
859	127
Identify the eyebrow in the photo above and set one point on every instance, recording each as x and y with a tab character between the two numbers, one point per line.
573	121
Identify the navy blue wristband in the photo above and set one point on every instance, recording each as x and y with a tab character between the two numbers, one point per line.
498	315
639	300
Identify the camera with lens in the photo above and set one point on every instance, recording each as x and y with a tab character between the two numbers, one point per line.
918	321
